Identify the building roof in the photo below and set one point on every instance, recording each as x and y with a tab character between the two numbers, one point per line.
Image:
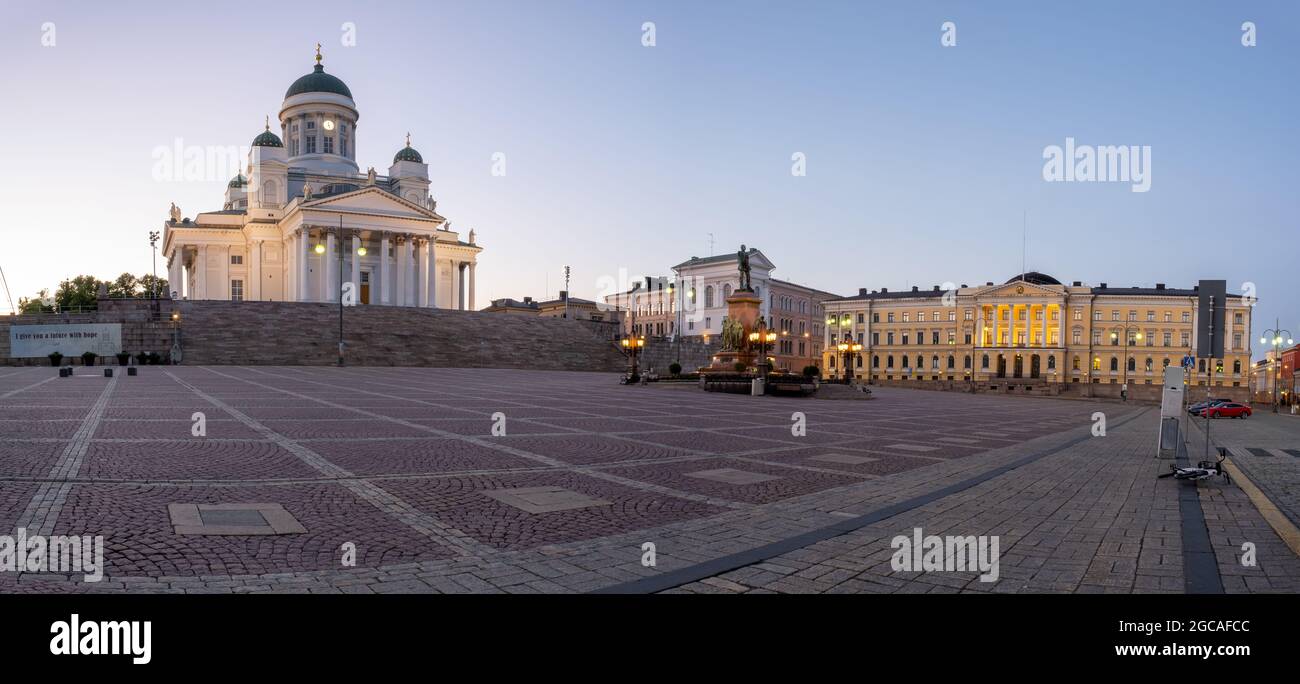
1160	291
1033	278
408	153
572	300
508	303
721	258
777	281
318	82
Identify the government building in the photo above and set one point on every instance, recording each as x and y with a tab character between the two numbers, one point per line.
1031	330
302	223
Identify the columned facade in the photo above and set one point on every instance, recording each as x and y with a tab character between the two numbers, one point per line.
1031	329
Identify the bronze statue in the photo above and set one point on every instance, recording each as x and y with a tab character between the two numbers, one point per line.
733	334
743	257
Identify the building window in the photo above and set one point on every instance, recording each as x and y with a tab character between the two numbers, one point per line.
934	337
236	259
311	144
1096	363
1236	339
1150	364
708	296
1187	317
1114	315
904	339
1114	364
920	317
875	317
907	316
984	361
1096	315
860	318
890	317
1078	314
329	144
889	337
1236	319
1075	337
875	339
236	290
1167	339
970	314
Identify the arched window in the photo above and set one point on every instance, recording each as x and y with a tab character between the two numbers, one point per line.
984	361
708	295
1114	363
1076	362
920	362
726	291
967	362
1096	363
934	362
875	361
1236	366
1051	362
269	195
1132	365
889	361
906	360
952	361
1165	363
1150	364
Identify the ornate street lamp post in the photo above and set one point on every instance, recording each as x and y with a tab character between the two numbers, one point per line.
849	351
633	346
1275	337
762	337
1137	336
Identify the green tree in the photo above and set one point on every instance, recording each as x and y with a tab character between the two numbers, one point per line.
125	286
38	304
148	282
79	292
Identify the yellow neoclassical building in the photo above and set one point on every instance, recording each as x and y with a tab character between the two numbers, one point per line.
1031	330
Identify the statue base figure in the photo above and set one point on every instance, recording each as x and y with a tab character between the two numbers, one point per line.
743	307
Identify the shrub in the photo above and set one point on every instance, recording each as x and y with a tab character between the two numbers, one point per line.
56	358
739	366
675	368
142	358
123	358
154	358
88	358
811	371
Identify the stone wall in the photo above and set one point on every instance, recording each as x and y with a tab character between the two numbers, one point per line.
660	353
292	333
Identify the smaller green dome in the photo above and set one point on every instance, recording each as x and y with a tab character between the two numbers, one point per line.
238	181
267	139
409	154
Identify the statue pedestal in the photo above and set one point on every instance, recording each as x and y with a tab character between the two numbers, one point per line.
743	306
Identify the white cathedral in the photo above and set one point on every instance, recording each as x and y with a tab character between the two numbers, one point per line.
305	224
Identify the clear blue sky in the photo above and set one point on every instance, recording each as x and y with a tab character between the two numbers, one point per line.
921	159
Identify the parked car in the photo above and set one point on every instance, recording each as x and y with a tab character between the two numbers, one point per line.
1227	409
1198	407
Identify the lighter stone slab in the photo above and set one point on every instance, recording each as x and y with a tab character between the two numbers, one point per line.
233	519
911	447
842	458
544	499
733	476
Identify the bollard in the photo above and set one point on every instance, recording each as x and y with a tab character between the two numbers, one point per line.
108	372
130	371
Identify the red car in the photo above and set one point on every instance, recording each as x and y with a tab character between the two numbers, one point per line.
1228	409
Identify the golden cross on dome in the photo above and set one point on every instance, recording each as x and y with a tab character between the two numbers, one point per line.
318	53
408	138
268	122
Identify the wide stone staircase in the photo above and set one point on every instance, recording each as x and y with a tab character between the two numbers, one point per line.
292	333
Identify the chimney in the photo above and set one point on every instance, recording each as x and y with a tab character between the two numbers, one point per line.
1078	283
528	300
989	282
936	288
564	295
963	286
884	290
1160	286
862	291
916	289
1103	286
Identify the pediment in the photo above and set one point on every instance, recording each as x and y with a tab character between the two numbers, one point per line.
1022	288
372	200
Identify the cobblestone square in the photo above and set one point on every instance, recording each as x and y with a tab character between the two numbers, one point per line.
484	480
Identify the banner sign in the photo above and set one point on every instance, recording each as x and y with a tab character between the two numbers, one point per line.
71	339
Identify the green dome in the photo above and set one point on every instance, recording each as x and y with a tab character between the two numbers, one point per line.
267	139
408	153
318	82
238	181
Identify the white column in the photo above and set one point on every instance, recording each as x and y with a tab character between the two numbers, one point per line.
356	267
383	268
422	282
304	248
1047	313
471	295
174	267
255	272
408	263
432	247
997	325
455	284
201	272
329	286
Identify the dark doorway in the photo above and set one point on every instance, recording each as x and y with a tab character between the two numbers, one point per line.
1002	366
1034	366
1020	366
